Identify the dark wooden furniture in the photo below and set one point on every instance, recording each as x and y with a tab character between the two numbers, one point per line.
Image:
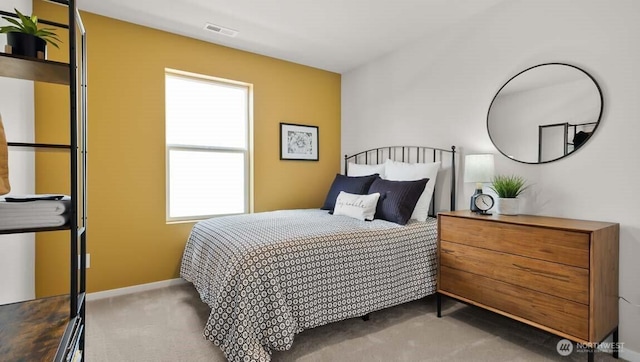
559	275
16	66
52	329
33	330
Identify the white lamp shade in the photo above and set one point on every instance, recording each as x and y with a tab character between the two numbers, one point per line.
478	168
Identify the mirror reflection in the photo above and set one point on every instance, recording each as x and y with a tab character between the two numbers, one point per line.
544	113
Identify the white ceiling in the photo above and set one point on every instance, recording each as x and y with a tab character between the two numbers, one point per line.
335	35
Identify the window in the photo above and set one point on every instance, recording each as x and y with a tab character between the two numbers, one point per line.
207	137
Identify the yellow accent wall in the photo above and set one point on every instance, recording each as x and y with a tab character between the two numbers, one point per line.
128	239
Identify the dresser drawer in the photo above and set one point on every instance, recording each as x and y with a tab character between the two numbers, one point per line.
553	312
560	280
555	245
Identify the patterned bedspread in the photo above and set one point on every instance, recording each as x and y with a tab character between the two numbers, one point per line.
268	276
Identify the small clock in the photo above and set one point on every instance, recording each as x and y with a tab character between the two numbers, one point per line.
483	203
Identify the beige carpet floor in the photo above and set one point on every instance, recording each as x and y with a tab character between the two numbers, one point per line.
166	325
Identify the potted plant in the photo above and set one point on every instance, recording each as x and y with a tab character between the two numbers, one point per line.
508	188
25	38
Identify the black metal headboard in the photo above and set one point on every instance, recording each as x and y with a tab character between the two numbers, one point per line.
409	154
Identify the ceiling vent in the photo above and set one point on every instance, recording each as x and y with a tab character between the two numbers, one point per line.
220	30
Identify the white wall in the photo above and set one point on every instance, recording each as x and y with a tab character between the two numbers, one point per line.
17	252
437	91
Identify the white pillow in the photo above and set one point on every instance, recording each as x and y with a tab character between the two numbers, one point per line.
354	169
402	171
361	207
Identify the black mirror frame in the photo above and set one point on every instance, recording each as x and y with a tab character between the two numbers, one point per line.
570	153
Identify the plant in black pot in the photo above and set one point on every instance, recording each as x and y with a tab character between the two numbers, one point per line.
25	38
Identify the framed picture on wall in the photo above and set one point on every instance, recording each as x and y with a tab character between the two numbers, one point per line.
298	142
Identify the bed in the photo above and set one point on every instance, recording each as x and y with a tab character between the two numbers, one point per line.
268	276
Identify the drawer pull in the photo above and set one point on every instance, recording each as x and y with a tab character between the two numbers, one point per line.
544	273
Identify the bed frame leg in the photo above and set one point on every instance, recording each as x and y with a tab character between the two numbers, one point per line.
438	305
365	317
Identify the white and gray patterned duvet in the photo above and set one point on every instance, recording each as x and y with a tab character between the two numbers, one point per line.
268	276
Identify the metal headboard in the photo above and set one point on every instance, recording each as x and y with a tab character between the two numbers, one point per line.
409	154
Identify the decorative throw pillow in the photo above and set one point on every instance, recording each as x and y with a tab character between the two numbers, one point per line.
4	162
402	171
354	169
400	198
361	207
353	185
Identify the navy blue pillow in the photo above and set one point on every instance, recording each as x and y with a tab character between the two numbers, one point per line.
401	198
354	185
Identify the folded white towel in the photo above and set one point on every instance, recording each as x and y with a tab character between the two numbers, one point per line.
38	207
8	223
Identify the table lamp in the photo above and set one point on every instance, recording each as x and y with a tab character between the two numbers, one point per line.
478	169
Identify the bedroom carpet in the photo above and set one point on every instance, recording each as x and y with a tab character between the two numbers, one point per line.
166	325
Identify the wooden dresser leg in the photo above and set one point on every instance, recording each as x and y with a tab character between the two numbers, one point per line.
439	304
590	354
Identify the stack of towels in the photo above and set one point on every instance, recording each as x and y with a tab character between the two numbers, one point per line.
34	211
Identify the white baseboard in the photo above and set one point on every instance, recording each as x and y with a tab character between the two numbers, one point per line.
629	355
134	289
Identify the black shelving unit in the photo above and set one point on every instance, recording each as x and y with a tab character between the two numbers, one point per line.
52	328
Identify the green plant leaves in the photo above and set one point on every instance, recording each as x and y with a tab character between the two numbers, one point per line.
10	29
508	186
16	23
46	34
29	25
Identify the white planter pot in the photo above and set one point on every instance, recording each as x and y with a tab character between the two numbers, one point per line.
508	206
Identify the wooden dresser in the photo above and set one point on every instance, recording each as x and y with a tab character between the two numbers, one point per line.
559	275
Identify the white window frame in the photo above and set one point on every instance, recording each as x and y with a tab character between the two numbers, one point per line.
248	151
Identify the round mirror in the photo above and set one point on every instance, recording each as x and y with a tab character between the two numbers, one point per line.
544	113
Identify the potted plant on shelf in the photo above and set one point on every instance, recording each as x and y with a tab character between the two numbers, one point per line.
508	188
25	38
